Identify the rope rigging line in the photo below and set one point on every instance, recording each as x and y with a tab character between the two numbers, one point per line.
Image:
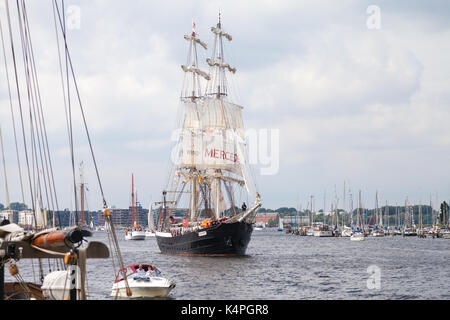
8	201
38	141
12	114
40	113
107	213
20	109
79	101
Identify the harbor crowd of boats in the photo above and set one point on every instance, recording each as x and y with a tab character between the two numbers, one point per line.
357	224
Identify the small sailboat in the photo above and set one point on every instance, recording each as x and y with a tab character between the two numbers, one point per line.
150	231
135	232
145	284
358	234
346	230
280	222
379	231
409	227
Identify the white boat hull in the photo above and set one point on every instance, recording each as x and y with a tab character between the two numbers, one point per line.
135	235
346	233
357	237
150	234
153	288
323	233
377	234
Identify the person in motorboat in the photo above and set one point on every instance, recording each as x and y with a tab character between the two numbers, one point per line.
153	271
141	271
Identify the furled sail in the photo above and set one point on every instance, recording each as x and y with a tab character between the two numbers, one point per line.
41	216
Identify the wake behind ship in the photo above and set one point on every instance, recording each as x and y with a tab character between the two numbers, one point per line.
210	173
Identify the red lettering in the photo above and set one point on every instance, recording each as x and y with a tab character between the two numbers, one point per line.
208	154
221	154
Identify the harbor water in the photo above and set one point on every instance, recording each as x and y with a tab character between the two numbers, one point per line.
290	267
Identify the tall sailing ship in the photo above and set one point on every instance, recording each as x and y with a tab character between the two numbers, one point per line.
210	174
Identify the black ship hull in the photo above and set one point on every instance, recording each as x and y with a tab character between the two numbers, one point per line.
224	239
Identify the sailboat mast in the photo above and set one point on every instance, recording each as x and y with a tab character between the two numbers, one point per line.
359	212
82	194
137	209
343	204
132	200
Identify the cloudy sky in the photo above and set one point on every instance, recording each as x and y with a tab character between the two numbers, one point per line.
358	95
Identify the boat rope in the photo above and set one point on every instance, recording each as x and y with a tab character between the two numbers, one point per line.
12	112
8	202
14	271
69	60
38	166
20	109
41	122
107	213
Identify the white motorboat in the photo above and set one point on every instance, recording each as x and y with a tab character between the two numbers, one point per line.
446	234
409	232
259	226
150	285
346	232
357	235
135	235
322	231
378	233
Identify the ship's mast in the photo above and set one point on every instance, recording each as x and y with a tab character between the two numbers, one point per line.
192	92
192	87
217	86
